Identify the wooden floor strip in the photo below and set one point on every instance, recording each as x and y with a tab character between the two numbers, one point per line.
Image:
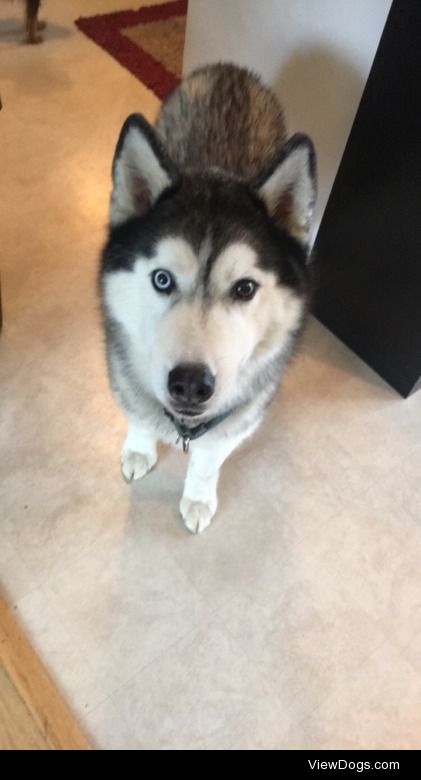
54	720
18	730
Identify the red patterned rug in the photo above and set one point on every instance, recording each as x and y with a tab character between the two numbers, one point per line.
148	42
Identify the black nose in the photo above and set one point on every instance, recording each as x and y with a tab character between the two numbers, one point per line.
191	384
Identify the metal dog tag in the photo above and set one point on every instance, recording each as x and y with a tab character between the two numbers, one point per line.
186	441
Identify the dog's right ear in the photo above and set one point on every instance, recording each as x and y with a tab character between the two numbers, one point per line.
141	170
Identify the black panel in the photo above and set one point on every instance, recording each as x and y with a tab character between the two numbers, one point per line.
368	249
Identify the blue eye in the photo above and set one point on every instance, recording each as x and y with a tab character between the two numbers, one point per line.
163	281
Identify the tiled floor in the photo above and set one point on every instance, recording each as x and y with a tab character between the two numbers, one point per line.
296	619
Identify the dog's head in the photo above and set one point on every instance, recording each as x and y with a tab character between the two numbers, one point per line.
205	275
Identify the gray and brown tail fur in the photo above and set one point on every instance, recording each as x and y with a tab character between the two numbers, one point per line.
222	117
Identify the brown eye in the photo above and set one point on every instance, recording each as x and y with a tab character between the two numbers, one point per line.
244	290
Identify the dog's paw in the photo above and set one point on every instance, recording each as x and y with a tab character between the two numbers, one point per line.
197	515
134	465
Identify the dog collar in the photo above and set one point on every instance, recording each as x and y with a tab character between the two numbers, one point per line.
187	434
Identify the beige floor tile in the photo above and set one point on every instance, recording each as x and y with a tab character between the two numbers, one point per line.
202	693
125	602
80	681
381	709
411	650
404	484
372	551
16	579
305	633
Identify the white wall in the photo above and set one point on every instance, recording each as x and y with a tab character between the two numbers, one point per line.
316	54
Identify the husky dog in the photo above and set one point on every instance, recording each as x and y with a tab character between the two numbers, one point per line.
204	278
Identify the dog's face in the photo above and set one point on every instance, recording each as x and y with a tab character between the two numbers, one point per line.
206	290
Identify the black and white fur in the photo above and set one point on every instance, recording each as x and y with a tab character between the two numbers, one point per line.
217	203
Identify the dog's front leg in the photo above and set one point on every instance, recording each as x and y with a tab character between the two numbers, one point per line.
138	455
199	502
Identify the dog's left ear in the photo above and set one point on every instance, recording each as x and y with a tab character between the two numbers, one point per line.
288	187
141	170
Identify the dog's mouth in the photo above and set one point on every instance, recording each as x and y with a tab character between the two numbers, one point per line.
191	412
188	415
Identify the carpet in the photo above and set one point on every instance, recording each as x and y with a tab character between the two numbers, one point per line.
148	42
